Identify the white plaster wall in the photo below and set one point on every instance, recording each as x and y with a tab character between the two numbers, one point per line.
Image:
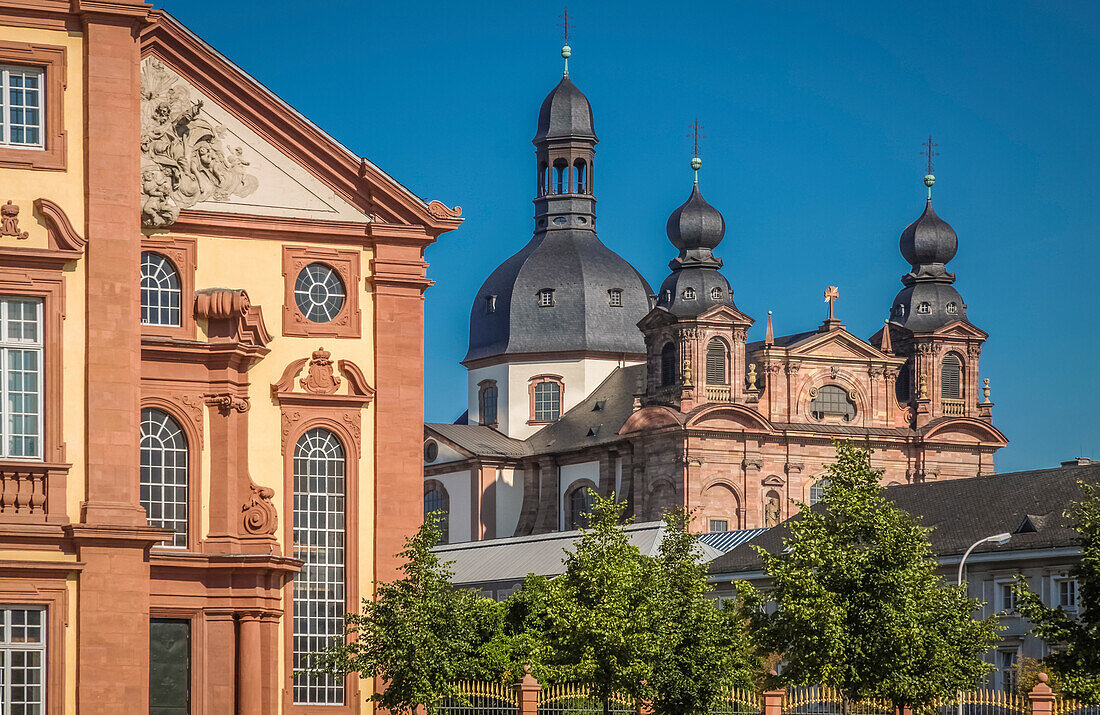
446	454
509	501
569	474
581	377
458	488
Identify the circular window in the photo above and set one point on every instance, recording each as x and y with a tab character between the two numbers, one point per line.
431	451
319	293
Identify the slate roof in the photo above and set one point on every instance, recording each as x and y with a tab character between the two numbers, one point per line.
597	419
961	511
543	554
480	439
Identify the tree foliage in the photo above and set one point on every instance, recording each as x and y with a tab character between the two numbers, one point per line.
702	650
420	635
1074	637
857	603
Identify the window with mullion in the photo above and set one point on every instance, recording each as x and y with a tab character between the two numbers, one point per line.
22	660
547	401
21	107
21	378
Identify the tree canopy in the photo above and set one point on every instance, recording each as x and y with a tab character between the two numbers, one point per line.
856	603
1074	637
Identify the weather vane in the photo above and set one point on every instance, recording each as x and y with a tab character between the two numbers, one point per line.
929	152
696	162
565	49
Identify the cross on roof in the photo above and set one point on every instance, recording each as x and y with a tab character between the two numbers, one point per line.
928	151
831	295
565	25
696	136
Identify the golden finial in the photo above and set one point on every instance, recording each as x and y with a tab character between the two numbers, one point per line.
752	376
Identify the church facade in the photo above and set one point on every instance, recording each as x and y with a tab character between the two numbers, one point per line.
583	379
211	350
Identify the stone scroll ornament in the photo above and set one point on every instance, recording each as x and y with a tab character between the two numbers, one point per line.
185	159
259	515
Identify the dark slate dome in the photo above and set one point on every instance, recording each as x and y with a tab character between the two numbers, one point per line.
929	239
696	224
581	271
565	113
925	307
692	291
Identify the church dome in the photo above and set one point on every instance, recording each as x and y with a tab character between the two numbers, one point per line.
595	300
928	306
695	224
928	240
565	113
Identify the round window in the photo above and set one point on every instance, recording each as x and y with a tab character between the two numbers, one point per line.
431	451
319	293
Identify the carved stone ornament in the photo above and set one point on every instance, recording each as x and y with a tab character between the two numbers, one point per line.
834	370
259	515
922	389
185	159
9	221
320	380
752	376
974	349
441	210
226	402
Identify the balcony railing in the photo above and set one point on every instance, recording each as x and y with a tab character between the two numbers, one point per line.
954	408
718	393
32	492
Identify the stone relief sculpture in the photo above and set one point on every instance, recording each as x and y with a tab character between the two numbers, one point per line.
185	159
9	221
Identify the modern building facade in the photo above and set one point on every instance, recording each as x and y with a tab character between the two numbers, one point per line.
211	326
1029	505
582	378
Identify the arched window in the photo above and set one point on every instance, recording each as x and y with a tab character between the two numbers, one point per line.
546	401
689	294
160	290
578	507
542	179
716	362
817	490
487	403
668	365
164	474
436	499
319	539
580	177
951	377
832	400
561	176
716	293
772	509
901	385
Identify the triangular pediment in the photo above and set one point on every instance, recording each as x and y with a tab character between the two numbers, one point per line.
837	344
725	313
961	329
244	151
655	319
207	159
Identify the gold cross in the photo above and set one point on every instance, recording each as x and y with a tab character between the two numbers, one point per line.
831	295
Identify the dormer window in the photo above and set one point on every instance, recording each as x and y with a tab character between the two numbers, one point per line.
689	294
899	311
490	304
666	297
546	298
716	293
924	308
615	297
952	308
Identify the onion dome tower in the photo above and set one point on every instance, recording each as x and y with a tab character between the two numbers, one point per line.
565	304
695	336
929	326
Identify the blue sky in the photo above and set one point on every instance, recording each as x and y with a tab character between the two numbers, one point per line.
814	114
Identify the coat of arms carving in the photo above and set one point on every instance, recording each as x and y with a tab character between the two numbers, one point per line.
185	158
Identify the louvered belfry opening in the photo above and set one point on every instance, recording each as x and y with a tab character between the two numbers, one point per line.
668	365
716	362
951	377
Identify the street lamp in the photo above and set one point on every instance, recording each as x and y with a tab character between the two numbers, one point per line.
999	540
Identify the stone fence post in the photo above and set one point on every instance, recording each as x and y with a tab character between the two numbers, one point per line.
527	693
773	701
1041	697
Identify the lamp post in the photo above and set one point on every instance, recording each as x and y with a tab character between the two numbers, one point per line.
1000	540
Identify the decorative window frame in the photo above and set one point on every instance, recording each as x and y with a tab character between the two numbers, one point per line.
51	59
482	388
191	423
347	323
44	584
538	380
566	498
182	254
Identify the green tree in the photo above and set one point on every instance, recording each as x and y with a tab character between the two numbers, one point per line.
600	612
1074	637
419	635
857	603
702	650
